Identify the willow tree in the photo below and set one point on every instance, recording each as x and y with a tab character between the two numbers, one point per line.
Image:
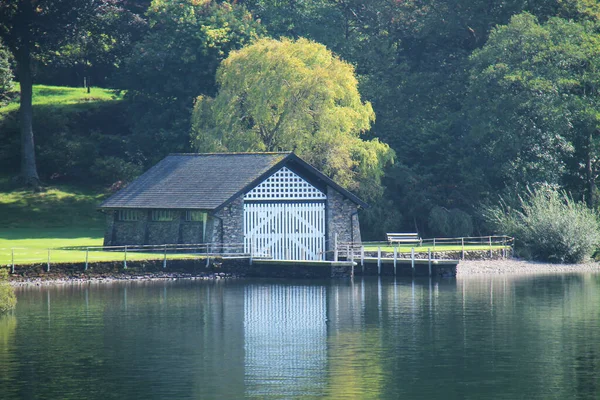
281	95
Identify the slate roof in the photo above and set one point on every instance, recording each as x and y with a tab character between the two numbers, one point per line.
206	181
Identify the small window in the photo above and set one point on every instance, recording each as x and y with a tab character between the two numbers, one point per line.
128	215
162	215
195	216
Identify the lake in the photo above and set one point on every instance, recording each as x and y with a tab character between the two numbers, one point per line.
493	336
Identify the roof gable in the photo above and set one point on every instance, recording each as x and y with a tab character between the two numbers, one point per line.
284	185
210	181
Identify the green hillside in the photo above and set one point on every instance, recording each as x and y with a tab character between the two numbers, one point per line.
80	137
61	97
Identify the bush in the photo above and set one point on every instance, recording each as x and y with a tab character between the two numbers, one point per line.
8	300
548	225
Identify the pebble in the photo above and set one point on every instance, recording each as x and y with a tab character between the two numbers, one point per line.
515	266
118	278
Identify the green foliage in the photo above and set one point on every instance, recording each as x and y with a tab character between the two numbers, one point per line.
177	61
8	300
449	223
293	95
6	74
548	226
535	101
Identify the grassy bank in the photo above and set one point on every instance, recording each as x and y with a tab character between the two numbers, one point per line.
35	226
61	96
79	136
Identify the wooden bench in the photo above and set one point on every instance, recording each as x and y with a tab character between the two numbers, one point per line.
404	238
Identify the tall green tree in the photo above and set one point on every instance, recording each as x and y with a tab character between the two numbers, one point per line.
32	30
535	104
293	95
177	61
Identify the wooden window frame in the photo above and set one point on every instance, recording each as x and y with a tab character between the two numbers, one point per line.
162	215
128	215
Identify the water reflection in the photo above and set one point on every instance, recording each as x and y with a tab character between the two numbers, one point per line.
490	336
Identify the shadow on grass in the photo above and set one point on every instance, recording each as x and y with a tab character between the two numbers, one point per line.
51	233
60	207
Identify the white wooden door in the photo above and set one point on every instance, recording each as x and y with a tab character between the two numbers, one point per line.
284	218
285	231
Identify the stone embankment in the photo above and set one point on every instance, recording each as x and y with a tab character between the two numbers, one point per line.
37	274
497	254
514	266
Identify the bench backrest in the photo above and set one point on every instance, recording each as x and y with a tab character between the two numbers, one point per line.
403	237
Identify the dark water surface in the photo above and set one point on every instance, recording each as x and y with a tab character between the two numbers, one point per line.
504	337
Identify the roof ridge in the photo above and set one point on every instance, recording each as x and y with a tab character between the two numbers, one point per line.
233	153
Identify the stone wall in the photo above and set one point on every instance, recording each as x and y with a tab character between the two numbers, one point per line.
230	230
144	231
342	218
129	232
495	254
161	232
191	232
114	270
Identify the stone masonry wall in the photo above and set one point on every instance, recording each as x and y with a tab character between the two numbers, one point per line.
191	232
144	231
232	226
109	226
163	232
129	232
341	219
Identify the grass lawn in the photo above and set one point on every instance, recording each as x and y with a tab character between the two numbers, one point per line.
61	216
30	246
57	96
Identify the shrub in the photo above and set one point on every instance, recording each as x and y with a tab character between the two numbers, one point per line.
8	300
548	225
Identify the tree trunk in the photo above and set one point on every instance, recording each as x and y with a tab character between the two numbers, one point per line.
28	166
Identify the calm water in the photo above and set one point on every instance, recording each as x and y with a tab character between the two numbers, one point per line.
474	338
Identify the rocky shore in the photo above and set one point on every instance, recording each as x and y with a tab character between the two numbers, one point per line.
514	266
69	280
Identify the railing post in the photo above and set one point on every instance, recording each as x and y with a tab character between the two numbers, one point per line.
395	258
12	260
379	261
362	257
490	238
347	252
87	250
48	264
412	259
125	259
165	257
462	241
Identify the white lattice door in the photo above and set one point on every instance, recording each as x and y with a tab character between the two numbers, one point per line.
284	218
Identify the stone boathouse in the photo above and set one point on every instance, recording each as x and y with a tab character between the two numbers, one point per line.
273	204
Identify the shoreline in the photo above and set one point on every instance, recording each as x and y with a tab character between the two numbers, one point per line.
120	278
466	268
516	266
